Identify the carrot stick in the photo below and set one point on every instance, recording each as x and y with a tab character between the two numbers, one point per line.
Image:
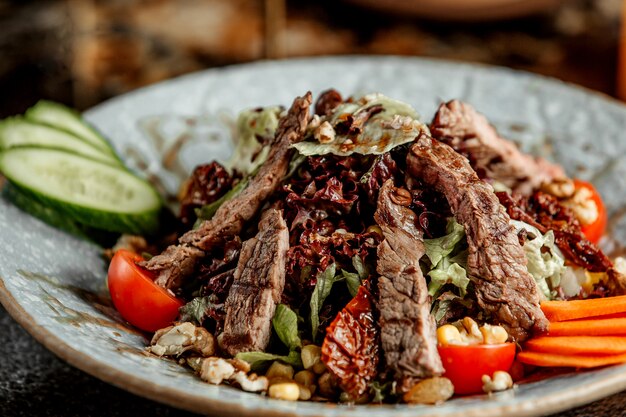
589	327
577	309
606	316
578	345
573	361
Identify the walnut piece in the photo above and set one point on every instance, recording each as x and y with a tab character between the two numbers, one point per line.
183	337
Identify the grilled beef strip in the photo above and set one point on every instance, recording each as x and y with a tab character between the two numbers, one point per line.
496	260
257	287
178	262
408	331
468	132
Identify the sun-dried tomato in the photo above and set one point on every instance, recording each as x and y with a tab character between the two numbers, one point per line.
207	183
351	347
327	102
545	212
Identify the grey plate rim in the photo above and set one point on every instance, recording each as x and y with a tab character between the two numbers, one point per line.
196	403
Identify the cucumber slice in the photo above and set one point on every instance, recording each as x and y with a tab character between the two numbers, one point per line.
56	219
64	118
93	193
17	131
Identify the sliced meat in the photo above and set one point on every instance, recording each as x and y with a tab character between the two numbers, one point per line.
408	331
179	262
257	287
457	124
496	260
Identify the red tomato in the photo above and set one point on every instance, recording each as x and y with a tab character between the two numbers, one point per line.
138	299
466	365
595	230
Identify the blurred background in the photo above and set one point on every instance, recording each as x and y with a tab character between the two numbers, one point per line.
81	52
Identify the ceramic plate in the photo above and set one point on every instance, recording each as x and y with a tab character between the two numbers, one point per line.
54	284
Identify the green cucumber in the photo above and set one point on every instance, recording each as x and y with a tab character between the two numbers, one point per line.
90	192
55	218
69	120
16	131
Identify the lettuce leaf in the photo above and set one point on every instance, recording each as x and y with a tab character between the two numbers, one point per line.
440	247
285	323
254	128
324	284
258	359
398	123
545	261
353	281
448	272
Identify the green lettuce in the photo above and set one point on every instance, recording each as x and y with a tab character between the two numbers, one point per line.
447	259
448	272
398	123
545	261
439	248
324	284
250	153
285	323
259	359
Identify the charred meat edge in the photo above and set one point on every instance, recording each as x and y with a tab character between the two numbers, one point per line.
468	132
257	287
178	262
496	261
408	331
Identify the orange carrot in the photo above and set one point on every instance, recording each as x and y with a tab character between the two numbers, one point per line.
578	345
573	361
606	316
589	327
577	309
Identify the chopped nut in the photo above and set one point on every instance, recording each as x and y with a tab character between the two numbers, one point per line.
327	385
183	337
314	122
401	197
560	187
471	327
583	206
288	391
324	133
501	381
250	383
310	355
279	370
430	391
215	370
493	335
240	365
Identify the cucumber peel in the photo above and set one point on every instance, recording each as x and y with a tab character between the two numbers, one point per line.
64	118
17	131
87	191
56	219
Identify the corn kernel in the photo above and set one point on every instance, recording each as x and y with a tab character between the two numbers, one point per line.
306	378
449	335
493	335
279	370
288	391
375	229
305	393
311	354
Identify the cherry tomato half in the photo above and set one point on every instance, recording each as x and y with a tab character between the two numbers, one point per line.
138	299
595	230
466	365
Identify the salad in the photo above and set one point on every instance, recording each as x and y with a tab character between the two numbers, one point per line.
347	251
